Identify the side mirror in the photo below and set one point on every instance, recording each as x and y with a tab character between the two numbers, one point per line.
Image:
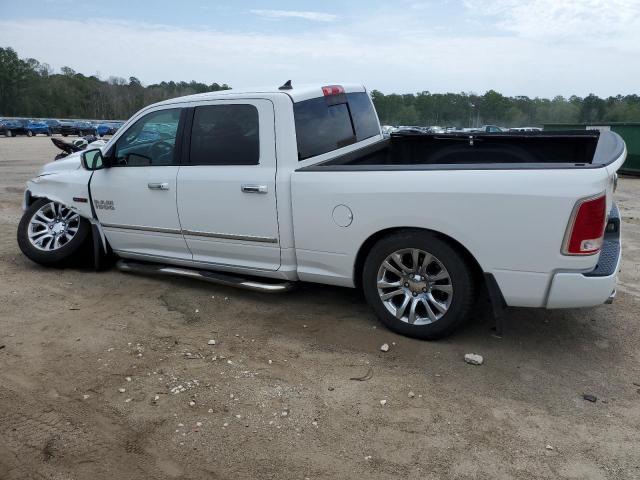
93	160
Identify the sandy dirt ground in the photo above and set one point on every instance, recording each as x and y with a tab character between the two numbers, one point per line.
109	376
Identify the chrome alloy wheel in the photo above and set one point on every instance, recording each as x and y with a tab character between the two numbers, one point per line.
414	286
52	227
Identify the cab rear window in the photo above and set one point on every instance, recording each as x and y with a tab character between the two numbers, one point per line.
324	125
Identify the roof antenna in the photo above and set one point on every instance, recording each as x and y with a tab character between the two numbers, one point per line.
286	86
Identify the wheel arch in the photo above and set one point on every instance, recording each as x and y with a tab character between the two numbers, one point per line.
368	244
96	233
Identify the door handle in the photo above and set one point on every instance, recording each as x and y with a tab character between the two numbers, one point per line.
158	186
254	188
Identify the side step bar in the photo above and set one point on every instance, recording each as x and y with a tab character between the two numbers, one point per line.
205	275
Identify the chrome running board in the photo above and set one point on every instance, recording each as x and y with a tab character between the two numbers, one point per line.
205	275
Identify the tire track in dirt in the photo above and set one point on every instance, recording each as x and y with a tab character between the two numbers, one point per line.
67	439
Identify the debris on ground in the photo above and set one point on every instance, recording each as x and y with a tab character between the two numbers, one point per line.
211	342
367	376
412	395
589	398
383	402
549	447
384	347
122	390
473	359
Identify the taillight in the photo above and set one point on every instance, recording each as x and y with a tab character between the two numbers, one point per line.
586	227
332	90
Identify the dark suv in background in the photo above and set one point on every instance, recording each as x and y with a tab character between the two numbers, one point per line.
77	128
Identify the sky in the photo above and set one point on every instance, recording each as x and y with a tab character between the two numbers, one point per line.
517	47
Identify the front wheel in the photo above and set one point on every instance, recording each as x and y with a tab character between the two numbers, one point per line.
51	234
418	284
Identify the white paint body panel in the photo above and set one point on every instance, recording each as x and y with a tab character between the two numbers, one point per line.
211	200
511	221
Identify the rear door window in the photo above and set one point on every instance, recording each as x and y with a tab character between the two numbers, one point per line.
225	135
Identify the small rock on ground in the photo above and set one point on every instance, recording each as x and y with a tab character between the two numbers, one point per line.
473	359
384	347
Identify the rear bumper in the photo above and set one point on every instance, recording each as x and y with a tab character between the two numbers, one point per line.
572	290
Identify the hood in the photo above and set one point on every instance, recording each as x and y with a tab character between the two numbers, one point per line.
70	162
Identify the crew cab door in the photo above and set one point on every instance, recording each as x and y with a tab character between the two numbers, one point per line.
135	199
226	185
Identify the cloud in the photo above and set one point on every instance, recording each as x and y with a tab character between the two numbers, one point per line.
313	16
580	21
376	51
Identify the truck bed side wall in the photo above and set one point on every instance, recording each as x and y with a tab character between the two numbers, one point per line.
512	221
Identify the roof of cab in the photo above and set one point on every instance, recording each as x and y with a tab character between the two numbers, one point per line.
297	93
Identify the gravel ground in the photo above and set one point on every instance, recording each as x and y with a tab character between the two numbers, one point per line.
108	375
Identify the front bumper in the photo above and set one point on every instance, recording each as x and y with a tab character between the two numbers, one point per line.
572	290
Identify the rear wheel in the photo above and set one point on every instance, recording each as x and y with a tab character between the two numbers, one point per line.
51	234
418	284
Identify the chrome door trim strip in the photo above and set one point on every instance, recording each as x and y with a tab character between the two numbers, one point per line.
230	236
193	233
142	229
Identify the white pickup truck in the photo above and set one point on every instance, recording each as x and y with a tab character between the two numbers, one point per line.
262	188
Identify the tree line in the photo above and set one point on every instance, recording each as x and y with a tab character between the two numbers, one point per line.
471	110
29	88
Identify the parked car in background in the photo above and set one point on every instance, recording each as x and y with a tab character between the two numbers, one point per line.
34	128
525	129
54	125
108	128
25	127
77	128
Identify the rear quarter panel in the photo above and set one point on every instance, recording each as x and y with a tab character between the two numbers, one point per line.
509	220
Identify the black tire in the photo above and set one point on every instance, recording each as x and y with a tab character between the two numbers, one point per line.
48	133
58	257
460	276
29	133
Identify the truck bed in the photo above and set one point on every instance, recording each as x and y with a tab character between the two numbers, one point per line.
531	150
